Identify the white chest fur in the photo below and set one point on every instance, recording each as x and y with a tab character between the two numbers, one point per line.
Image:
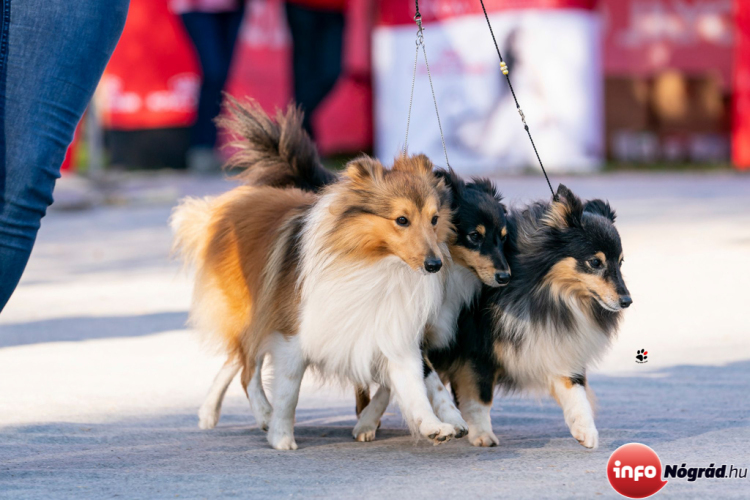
354	315
546	351
352	320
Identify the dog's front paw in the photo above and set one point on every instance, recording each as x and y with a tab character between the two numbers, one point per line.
437	431
208	416
585	432
484	438
365	431
451	415
281	439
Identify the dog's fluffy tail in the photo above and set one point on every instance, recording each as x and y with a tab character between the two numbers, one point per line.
272	152
190	225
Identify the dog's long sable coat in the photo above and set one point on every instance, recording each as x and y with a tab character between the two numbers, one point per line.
556	317
345	281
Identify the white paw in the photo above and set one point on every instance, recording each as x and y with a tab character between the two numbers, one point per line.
585	432
450	415
437	431
365	431
281	440
208	417
483	438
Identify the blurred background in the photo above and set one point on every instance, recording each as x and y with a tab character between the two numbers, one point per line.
604	84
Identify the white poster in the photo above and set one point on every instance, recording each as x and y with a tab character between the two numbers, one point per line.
555	63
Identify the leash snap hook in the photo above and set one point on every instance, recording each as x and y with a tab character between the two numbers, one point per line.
420	29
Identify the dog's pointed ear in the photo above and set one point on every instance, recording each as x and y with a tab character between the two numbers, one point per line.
364	170
487	186
415	164
453	183
565	211
600	207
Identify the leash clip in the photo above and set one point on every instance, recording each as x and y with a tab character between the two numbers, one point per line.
420	29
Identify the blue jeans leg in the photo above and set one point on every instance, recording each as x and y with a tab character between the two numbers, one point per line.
52	54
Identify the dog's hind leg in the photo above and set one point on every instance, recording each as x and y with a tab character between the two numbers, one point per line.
571	394
208	415
289	368
369	418
259	404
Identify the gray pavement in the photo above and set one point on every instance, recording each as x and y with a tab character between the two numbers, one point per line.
100	381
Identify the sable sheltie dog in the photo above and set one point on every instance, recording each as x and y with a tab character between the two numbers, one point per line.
554	319
278	153
480	233
344	281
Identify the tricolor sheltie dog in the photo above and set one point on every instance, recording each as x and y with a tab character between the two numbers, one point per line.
279	154
344	281
554	319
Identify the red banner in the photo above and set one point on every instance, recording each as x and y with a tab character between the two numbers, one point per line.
741	94
152	79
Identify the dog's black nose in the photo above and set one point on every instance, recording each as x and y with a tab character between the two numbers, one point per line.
502	277
432	264
625	301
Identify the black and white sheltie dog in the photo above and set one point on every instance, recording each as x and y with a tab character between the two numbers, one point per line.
278	153
554	319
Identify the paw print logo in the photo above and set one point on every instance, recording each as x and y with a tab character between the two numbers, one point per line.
640	356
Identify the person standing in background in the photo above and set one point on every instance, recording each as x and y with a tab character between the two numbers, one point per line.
317	28
213	26
52	55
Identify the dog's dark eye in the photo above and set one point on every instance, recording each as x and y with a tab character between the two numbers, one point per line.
434	220
596	263
402	221
474	237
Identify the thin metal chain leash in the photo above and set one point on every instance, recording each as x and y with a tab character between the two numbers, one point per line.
504	69
420	43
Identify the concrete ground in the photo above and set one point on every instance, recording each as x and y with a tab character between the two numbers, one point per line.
100	381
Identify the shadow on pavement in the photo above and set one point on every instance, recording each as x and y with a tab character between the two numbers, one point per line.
88	327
